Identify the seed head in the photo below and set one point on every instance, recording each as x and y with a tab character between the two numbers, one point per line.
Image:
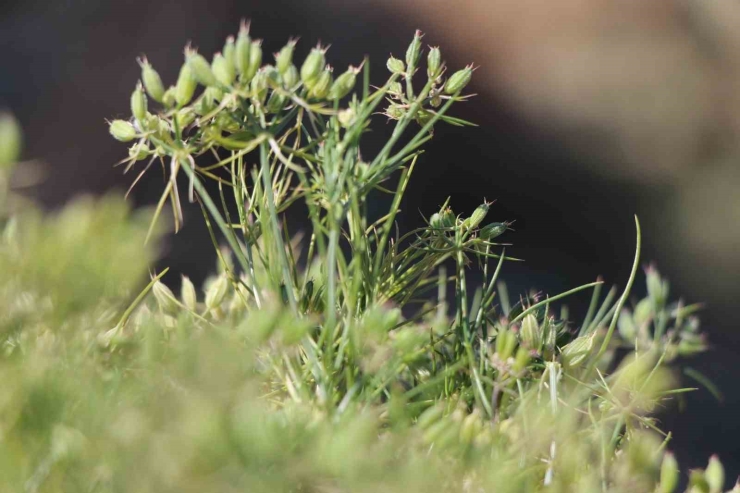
344	84
229	51
531	333
505	344
434	63
414	51
477	217
459	80
223	70
200	68
122	130
186	85
284	58
491	231
395	66
152	80
139	151
313	67
138	103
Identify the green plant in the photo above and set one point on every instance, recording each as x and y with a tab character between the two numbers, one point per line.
338	363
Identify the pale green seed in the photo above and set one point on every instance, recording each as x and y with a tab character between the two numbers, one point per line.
242	52
152	81
223	70
217	292
668	473
284	58
313	67
344	84
414	51
459	80
186	85
395	66
434	63
531	333
715	475
200	69
255	60
122	130
165	298
291	77
139	151
229	52
491	231
321	87
138	103
187	293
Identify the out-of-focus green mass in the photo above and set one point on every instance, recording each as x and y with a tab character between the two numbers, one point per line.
352	361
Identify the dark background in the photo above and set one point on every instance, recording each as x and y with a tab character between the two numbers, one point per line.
589	113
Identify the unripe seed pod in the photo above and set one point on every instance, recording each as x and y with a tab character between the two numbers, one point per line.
229	52
715	475
122	130
138	103
521	359
435	221
395	89
346	118
291	77
576	351
313	67
165	299
531	333
169	99
255	60
477	217
321	87
139	151
471	426
395	111
430	416
185	117
284	58
492	230
262	82
276	102
505	344
434	63
344	84
241	52
200	68
395	66
414	51
459	80
152	80
223	70
448	218
11	138
306	298
217	292
186	85
188	294
668	473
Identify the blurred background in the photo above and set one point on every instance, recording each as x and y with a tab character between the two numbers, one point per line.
590	111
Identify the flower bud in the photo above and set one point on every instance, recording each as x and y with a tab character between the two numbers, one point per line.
11	138
313	67
217	292
165	299
291	77
395	66
668	473
152	80
715	475
346	118
223	70
459	80
434	63
656	287
138	103
322	85
188	294
344	84
414	51
435	221
200	68
122	130
284	58
241	52
186	85
448	218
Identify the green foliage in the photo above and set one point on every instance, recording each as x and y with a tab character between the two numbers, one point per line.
339	362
